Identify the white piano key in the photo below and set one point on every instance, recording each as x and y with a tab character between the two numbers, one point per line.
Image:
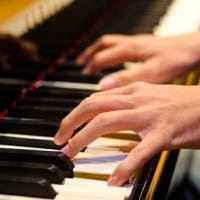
102	156
14	135
82	189
98	165
182	17
92	189
76	85
111	144
27	148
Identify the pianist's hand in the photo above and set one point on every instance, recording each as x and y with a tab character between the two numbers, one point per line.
162	58
165	117
19	47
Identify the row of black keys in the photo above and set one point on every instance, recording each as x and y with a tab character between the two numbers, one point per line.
31	172
29	114
24	73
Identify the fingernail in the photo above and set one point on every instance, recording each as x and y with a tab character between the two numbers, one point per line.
107	83
113	180
66	150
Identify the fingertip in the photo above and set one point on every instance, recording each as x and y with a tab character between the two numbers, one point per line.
68	151
108	83
113	180
58	139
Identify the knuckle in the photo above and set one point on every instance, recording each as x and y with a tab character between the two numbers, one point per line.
88	103
85	102
140	84
104	120
137	86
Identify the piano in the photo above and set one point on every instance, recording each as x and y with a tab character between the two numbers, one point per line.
37	95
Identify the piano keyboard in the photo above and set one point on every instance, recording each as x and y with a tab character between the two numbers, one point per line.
37	95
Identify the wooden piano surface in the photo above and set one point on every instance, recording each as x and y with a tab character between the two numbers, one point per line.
10	8
17	17
152	179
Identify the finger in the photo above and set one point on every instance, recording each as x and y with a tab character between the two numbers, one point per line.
104	123
125	90
143	152
102	43
150	71
108	57
112	56
122	77
87	110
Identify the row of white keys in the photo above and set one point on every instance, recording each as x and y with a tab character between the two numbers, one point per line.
102	156
99	158
81	189
92	189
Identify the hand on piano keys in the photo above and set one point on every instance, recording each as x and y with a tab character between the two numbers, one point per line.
37	95
161	58
13	45
159	114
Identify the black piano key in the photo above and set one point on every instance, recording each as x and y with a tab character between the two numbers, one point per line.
71	76
50	101
6	101
72	66
32	142
39	112
44	170
28	155
30	74
69	64
75	23
12	87
29	126
26	186
60	92
49	53
38	65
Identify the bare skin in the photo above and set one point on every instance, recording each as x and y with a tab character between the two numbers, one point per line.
162	58
165	117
